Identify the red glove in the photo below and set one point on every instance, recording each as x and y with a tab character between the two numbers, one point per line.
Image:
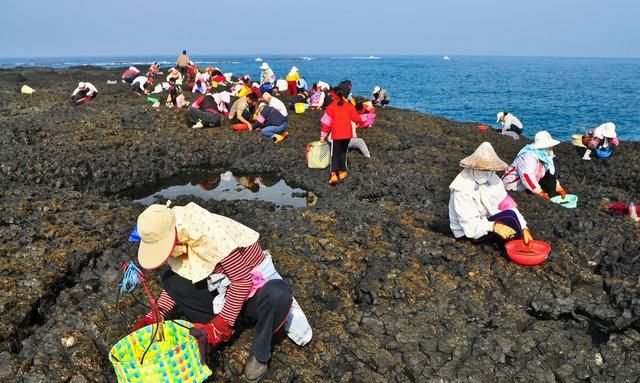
218	330
142	322
562	192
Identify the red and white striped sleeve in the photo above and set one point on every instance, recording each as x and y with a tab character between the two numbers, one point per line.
237	267
165	305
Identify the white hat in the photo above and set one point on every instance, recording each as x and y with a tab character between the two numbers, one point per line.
80	85
376	89
264	66
484	158
609	130
543	140
499	116
294	69
157	229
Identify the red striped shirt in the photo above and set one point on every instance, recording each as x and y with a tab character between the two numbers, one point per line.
237	267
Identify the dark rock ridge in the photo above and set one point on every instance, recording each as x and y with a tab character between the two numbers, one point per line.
390	295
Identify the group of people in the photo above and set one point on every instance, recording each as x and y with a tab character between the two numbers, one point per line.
602	139
479	203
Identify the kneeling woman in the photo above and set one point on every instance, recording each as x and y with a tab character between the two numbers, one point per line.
603	138
479	203
534	169
218	275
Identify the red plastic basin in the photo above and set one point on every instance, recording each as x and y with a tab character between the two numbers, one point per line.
483	127
240	127
534	254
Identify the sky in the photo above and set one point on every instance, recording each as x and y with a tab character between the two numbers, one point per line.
566	28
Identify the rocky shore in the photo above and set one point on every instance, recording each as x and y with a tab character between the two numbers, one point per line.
390	295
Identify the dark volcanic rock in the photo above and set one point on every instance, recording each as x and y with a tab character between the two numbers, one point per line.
390	295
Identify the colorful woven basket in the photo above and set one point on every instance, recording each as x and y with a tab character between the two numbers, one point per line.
174	359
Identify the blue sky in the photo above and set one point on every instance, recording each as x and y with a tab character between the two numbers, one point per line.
587	28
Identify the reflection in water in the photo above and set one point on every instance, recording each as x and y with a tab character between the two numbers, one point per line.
228	186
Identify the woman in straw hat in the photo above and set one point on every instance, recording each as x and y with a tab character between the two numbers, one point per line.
218	275
601	137
534	169
479	203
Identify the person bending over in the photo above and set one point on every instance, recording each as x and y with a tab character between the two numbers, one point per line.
84	93
534	169
218	276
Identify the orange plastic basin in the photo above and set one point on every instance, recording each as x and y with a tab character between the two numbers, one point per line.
534	254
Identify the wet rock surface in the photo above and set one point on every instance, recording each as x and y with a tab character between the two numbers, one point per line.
389	293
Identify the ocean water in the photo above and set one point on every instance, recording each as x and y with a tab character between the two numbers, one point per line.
561	95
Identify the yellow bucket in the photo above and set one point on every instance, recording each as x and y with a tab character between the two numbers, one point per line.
576	140
300	107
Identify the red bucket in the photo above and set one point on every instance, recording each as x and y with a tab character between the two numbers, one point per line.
534	254
240	127
483	127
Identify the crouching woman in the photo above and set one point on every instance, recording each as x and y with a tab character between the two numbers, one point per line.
479	203
218	275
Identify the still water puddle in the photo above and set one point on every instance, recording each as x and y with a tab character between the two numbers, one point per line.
226	186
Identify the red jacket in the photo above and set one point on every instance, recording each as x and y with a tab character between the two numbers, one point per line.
337	120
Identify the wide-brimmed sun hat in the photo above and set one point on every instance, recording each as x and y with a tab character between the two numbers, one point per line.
264	66
376	89
499	116
484	158
609	130
543	140
157	230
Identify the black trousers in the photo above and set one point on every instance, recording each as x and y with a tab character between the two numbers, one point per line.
339	155
515	128
267	309
246	114
207	118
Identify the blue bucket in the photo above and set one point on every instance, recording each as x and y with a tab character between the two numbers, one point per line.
570	202
603	153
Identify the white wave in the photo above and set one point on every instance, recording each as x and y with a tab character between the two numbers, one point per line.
366	58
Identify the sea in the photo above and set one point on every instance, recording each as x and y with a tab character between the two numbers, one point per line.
564	96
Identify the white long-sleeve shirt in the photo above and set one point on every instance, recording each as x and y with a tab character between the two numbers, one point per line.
471	204
141	81
509	120
87	86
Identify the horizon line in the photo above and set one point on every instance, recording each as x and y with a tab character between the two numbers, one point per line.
347	55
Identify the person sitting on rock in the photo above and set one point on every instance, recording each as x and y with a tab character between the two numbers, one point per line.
130	74
534	170
213	258
199	87
176	99
603	137
271	122
242	110
380	97
316	100
509	123
84	93
153	69
479	203
142	84
275	102
174	76
205	112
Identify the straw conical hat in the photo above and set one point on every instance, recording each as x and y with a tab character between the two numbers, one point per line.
484	158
